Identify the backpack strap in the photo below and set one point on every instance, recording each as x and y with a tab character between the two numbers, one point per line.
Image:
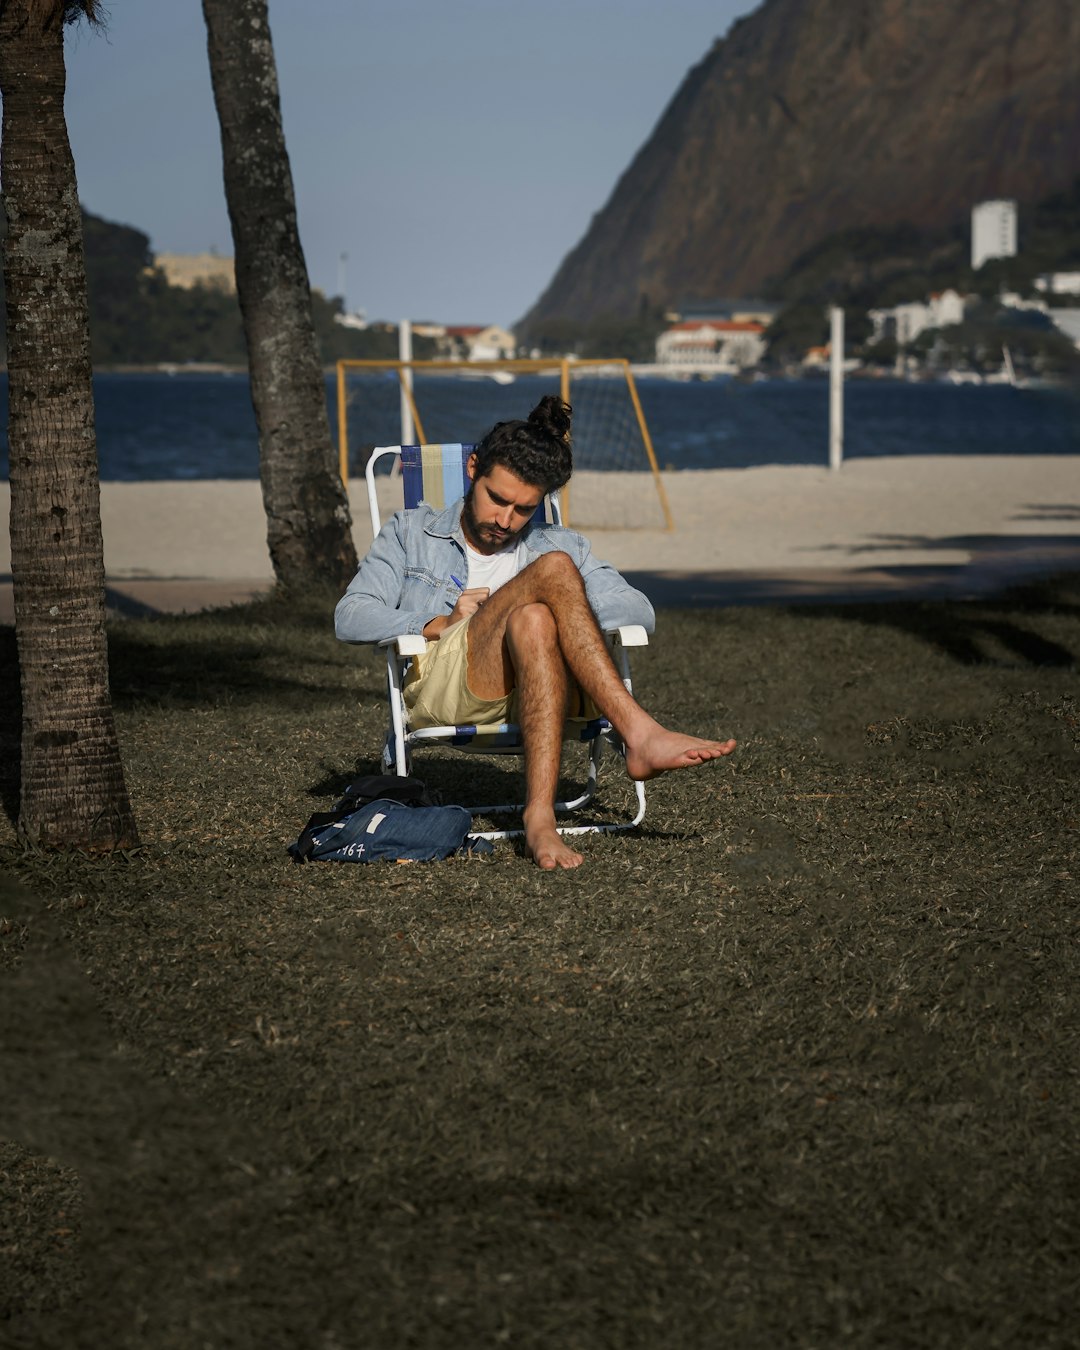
391	787
302	850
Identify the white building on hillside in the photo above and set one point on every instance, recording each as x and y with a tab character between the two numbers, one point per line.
1014	300
476	342
993	231
356	320
1067	321
905	322
187	270
1058	283
713	344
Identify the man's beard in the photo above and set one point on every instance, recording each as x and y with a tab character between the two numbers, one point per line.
484	538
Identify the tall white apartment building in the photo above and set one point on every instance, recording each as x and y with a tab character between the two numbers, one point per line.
993	231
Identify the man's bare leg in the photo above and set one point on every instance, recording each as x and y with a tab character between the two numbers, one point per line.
554	580
542	685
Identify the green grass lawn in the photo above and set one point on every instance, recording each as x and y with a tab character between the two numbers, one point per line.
794	1064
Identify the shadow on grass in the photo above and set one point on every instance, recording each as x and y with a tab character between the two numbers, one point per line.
269	652
204	670
998	631
270	649
285	657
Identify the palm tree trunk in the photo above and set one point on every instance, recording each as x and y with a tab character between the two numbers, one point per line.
73	791
307	511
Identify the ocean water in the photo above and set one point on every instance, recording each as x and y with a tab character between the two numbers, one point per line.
189	426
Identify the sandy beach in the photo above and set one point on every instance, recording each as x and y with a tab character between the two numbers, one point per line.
923	525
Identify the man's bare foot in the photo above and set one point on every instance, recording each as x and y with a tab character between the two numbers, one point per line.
659	750
546	845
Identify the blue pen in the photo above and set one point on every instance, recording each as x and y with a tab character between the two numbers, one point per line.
459	584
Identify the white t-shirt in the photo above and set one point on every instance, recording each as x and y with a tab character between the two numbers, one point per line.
495	569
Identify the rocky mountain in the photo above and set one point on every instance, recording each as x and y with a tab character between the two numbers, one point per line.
816	116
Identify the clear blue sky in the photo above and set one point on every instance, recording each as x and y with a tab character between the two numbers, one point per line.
455	150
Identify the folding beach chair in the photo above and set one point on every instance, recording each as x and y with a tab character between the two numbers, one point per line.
436	474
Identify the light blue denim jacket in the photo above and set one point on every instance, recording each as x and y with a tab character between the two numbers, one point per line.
404	582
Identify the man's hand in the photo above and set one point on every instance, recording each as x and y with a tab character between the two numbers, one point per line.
468	602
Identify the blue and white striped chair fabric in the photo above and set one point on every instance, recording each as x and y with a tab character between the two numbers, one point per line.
436	474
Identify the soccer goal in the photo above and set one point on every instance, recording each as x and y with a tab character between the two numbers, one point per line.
616	483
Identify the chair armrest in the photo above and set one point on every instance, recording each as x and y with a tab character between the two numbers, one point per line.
630	635
407	644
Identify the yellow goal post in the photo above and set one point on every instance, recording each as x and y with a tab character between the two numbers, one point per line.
461	400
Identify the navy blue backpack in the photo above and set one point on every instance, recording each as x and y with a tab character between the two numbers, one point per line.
383	817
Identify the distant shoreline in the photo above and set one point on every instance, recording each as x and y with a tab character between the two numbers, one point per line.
640	370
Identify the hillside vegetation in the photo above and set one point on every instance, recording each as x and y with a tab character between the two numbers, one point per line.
137	318
868	267
877	267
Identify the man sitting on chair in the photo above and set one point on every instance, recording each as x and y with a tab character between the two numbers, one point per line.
513	612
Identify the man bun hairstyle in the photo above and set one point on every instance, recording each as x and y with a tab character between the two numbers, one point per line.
537	450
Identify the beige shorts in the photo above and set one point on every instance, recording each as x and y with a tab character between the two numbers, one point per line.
437	691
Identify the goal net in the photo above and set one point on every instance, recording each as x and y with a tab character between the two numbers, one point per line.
616	482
